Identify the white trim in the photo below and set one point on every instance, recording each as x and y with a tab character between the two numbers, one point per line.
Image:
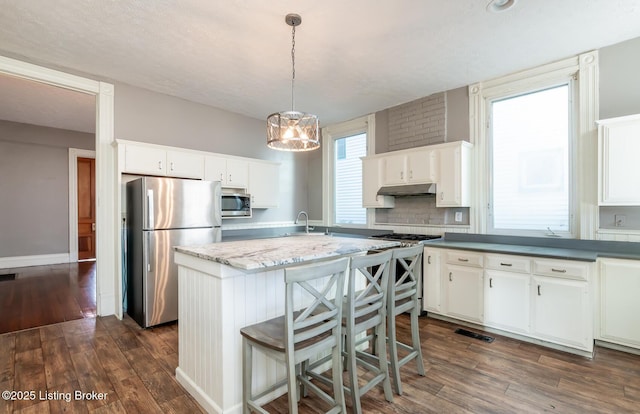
74	154
34	260
586	67
108	265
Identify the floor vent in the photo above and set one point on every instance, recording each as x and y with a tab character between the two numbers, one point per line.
8	276
474	335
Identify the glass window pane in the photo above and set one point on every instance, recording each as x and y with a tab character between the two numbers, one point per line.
348	179
530	161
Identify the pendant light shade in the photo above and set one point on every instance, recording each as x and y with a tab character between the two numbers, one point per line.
293	130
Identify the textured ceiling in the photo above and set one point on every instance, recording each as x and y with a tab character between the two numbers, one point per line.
352	57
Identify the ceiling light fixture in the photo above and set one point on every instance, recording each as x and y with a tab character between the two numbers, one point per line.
292	130
496	6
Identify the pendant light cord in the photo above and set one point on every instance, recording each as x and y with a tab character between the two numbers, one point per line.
293	64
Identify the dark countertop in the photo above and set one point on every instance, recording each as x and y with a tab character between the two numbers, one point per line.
264	233
570	249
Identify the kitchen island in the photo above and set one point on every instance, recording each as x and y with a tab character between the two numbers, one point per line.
226	286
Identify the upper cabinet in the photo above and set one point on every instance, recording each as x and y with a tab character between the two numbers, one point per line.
264	184
371	181
156	160
231	172
618	149
414	167
454	184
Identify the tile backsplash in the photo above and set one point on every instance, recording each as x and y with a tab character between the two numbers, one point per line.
420	210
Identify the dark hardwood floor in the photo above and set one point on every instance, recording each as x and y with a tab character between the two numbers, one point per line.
136	370
44	295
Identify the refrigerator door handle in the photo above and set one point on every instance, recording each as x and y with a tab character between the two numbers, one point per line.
150	214
148	252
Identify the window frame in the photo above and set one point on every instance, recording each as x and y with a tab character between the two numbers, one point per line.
330	134
534	87
584	68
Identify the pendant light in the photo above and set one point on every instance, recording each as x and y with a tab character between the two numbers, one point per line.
292	130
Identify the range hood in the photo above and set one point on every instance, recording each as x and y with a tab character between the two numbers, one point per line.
408	189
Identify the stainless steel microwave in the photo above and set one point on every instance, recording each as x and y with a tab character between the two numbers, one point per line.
236	205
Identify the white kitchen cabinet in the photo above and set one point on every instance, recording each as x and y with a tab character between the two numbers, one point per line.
371	181
417	166
431	287
562	307
154	160
231	172
619	313
454	179
264	184
618	149
506	300
462	281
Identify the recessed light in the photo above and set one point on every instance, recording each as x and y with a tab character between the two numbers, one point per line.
496	6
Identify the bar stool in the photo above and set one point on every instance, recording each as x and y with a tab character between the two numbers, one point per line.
403	297
364	312
301	334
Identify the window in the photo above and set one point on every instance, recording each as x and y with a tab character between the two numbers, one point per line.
348	179
530	144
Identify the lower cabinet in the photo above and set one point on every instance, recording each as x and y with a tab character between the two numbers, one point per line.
561	311
463	292
431	280
619	316
506	301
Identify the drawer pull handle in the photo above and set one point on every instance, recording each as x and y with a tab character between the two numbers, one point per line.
460	259
559	270
506	264
539	294
450	279
490	282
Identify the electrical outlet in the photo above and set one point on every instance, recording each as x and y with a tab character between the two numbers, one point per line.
458	217
619	220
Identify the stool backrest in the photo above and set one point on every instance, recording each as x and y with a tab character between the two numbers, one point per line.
322	314
406	271
368	302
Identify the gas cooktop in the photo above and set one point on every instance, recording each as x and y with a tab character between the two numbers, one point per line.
406	237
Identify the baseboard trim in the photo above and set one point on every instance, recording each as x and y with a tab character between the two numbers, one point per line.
35	260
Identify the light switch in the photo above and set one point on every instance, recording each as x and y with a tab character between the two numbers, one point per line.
619	220
458	217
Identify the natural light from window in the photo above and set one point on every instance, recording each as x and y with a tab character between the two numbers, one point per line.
348	179
530	170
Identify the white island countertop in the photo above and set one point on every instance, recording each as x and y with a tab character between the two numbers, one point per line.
281	251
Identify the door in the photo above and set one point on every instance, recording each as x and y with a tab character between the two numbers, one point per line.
86	168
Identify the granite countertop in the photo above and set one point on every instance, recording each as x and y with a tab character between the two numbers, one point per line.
281	251
569	249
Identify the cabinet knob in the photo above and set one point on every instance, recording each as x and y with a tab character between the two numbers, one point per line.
460	259
450	278
429	259
539	294
402	175
490	282
159	165
171	166
410	173
559	270
506	264
442	195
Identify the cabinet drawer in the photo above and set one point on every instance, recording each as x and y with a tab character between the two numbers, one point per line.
561	268
508	263
464	258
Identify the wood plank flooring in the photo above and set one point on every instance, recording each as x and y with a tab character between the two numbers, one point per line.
44	295
135	368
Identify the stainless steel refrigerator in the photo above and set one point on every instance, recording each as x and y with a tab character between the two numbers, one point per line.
162	213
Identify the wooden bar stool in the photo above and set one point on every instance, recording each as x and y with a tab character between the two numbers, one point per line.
403	297
301	334
364	311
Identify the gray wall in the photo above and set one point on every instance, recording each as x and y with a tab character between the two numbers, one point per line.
34	183
146	116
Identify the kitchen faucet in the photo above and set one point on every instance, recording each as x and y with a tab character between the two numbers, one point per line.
306	220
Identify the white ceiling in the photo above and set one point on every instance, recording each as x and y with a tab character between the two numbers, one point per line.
352	57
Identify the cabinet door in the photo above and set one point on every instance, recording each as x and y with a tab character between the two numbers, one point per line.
561	312
371	184
449	190
141	159
619	304
619	149
506	300
264	184
215	169
237	173
464	292
185	165
421	167
395	167
431	280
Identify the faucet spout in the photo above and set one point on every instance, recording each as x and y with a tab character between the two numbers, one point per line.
306	220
